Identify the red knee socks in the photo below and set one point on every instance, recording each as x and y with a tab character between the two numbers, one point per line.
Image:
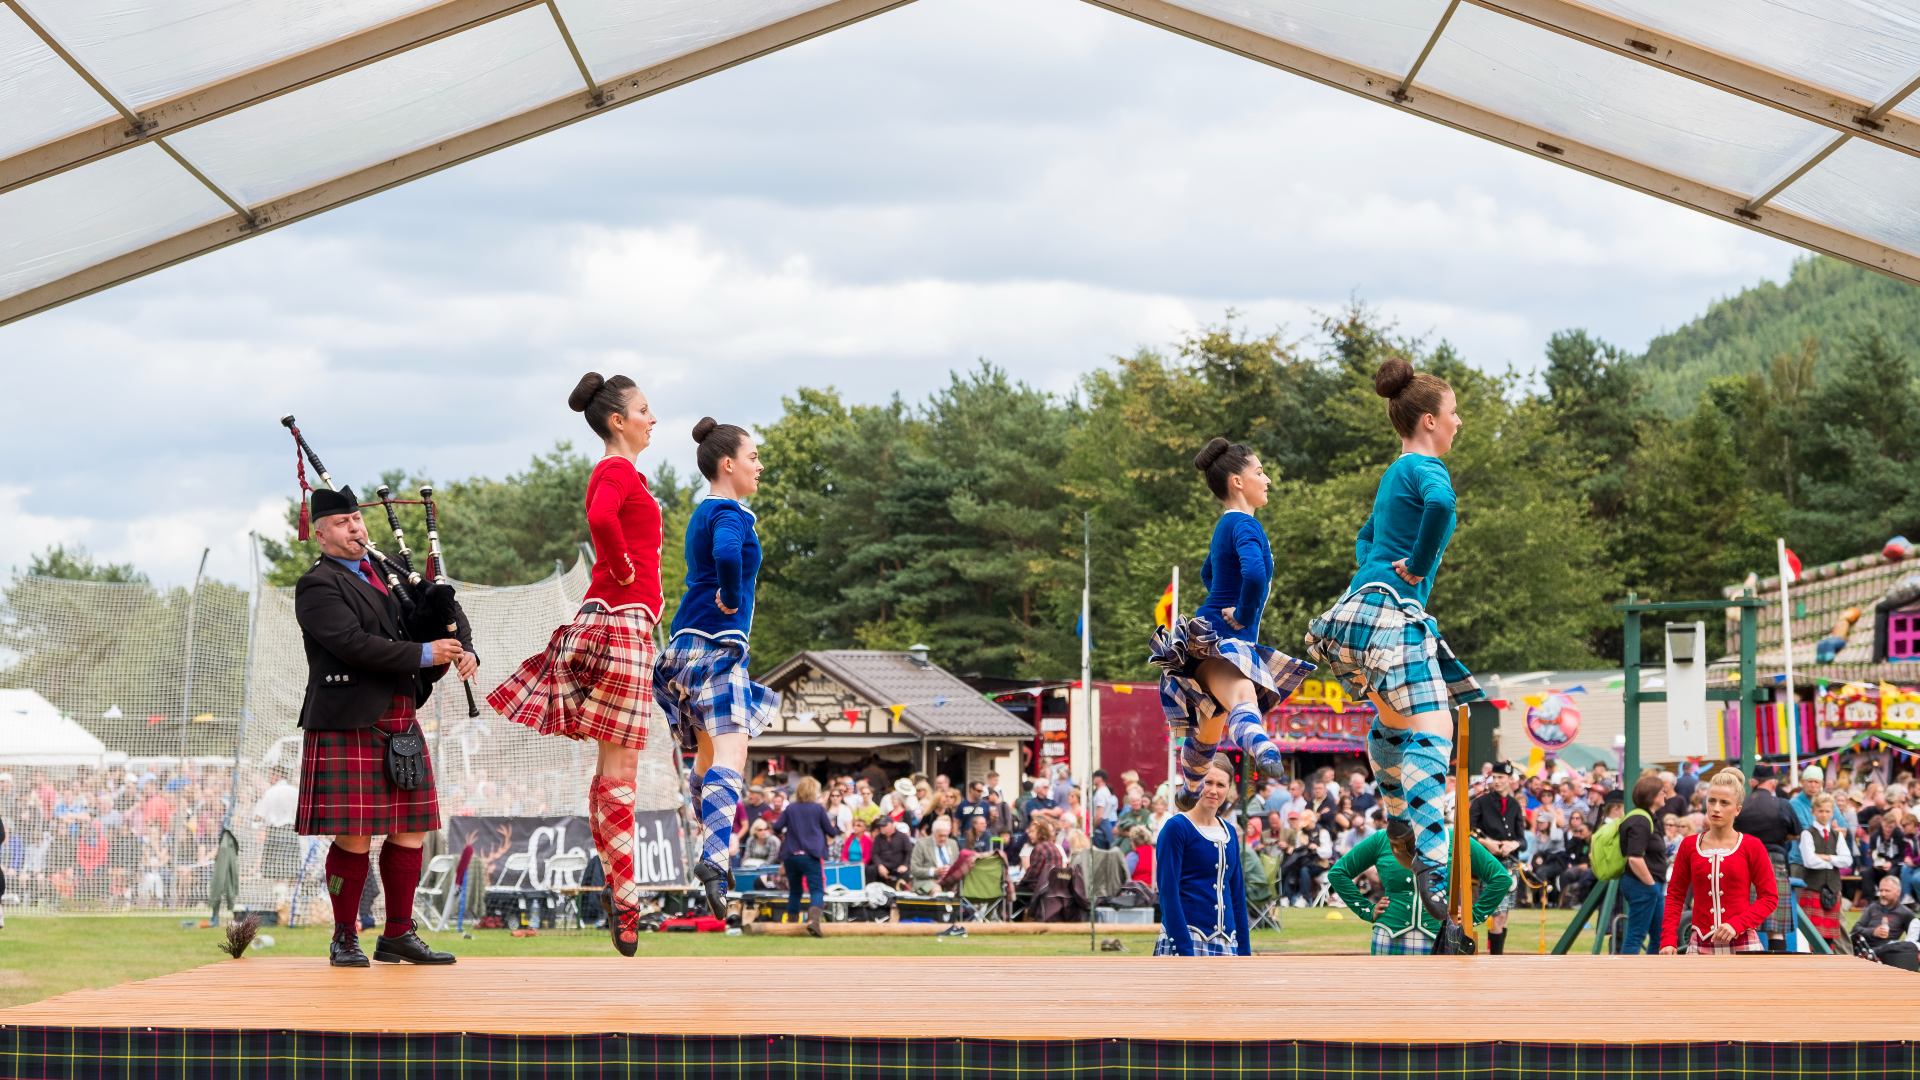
346	877
610	814
399	874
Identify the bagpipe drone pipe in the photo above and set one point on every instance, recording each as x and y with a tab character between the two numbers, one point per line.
429	608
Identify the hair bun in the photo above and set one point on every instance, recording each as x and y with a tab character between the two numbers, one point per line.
1210	453
583	391
704	428
1393	377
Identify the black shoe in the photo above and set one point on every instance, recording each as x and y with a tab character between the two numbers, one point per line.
1184	800
714	881
624	925
344	951
1272	767
1430	884
408	948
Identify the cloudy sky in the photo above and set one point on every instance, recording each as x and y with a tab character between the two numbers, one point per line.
1043	185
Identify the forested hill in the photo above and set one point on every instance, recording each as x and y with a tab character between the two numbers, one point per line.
1823	298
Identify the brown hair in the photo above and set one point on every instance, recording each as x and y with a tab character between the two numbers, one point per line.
1220	461
1042	829
718	442
1409	395
600	397
1646	790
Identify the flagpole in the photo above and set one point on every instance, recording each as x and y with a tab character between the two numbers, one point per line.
1792	706
1173	618
1086	673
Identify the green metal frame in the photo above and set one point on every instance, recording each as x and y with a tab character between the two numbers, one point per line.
1605	895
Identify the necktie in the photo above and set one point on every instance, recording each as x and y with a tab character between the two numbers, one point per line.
366	567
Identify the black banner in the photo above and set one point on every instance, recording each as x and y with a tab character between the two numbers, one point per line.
657	854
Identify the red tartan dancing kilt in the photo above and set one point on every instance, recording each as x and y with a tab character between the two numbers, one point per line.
1827	922
594	681
344	790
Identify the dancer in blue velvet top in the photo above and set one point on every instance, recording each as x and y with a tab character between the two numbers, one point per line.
701	679
1197	870
1382	644
1216	678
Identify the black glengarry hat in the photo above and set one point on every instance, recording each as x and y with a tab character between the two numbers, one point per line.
327	502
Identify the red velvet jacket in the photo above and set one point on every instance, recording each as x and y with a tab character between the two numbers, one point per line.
1733	887
624	521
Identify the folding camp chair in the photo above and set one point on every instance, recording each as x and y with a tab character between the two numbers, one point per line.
985	887
433	898
1263	900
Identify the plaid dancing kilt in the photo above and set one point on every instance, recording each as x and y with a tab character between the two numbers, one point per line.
1374	640
1415	942
1221	944
594	681
1748	942
1827	922
1506	902
344	790
702	685
1180	652
1781	918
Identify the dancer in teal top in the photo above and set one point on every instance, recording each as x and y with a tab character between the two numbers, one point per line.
1216	678
1382	644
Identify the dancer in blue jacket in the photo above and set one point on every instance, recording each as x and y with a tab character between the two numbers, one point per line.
701	679
1216	678
1203	894
1380	641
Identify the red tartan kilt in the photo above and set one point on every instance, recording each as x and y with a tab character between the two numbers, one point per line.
594	680
344	790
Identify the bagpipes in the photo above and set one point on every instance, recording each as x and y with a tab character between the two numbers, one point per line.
428	607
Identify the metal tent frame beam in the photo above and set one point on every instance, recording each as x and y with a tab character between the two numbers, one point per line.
1831	108
263	83
1385	88
340	191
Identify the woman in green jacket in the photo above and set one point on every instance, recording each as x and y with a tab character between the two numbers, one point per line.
1394	933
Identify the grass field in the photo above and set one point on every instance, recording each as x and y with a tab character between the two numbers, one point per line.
44	956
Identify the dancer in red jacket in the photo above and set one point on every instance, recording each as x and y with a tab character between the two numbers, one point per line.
1726	875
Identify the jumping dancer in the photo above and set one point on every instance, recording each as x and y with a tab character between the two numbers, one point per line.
711	704
1216	676
1380	641
595	679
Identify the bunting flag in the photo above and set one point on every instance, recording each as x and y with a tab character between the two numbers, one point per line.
1163	611
1792	568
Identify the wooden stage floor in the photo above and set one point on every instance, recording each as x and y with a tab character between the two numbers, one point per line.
880	1018
1605	999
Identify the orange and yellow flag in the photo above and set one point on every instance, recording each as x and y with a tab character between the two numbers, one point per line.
1163	611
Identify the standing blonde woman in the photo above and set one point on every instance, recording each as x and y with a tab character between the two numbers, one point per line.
1725	874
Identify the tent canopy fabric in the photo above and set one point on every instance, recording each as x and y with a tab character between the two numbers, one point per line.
135	134
32	732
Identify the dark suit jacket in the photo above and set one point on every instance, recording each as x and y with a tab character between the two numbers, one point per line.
358	655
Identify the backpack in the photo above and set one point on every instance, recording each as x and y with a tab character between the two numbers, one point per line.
1608	860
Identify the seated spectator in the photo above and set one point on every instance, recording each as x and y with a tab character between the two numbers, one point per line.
857	845
1140	856
1361	792
1136	813
760	846
1888	930
892	852
977	839
1307	851
933	856
1157	815
1042	857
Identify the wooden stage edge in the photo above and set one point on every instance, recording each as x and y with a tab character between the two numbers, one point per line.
1315	999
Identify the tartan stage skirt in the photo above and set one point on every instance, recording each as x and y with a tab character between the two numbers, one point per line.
702	685
344	790
594	681
1415	942
1372	640
1179	653
1204	944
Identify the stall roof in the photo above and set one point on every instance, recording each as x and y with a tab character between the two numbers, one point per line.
135	134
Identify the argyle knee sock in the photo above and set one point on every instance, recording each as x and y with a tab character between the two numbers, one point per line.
346	876
1195	756
1386	747
719	797
1423	773
1247	731
399	876
610	816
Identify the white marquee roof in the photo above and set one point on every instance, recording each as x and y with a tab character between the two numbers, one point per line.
135	134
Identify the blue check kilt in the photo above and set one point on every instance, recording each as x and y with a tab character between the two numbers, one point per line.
1222	944
1179	652
1781	919
1415	942
1372	640
702	685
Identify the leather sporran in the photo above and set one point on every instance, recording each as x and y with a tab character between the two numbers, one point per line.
407	759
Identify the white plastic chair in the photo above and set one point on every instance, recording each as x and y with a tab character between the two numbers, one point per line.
434	897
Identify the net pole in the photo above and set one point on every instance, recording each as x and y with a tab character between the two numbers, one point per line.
246	683
186	690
